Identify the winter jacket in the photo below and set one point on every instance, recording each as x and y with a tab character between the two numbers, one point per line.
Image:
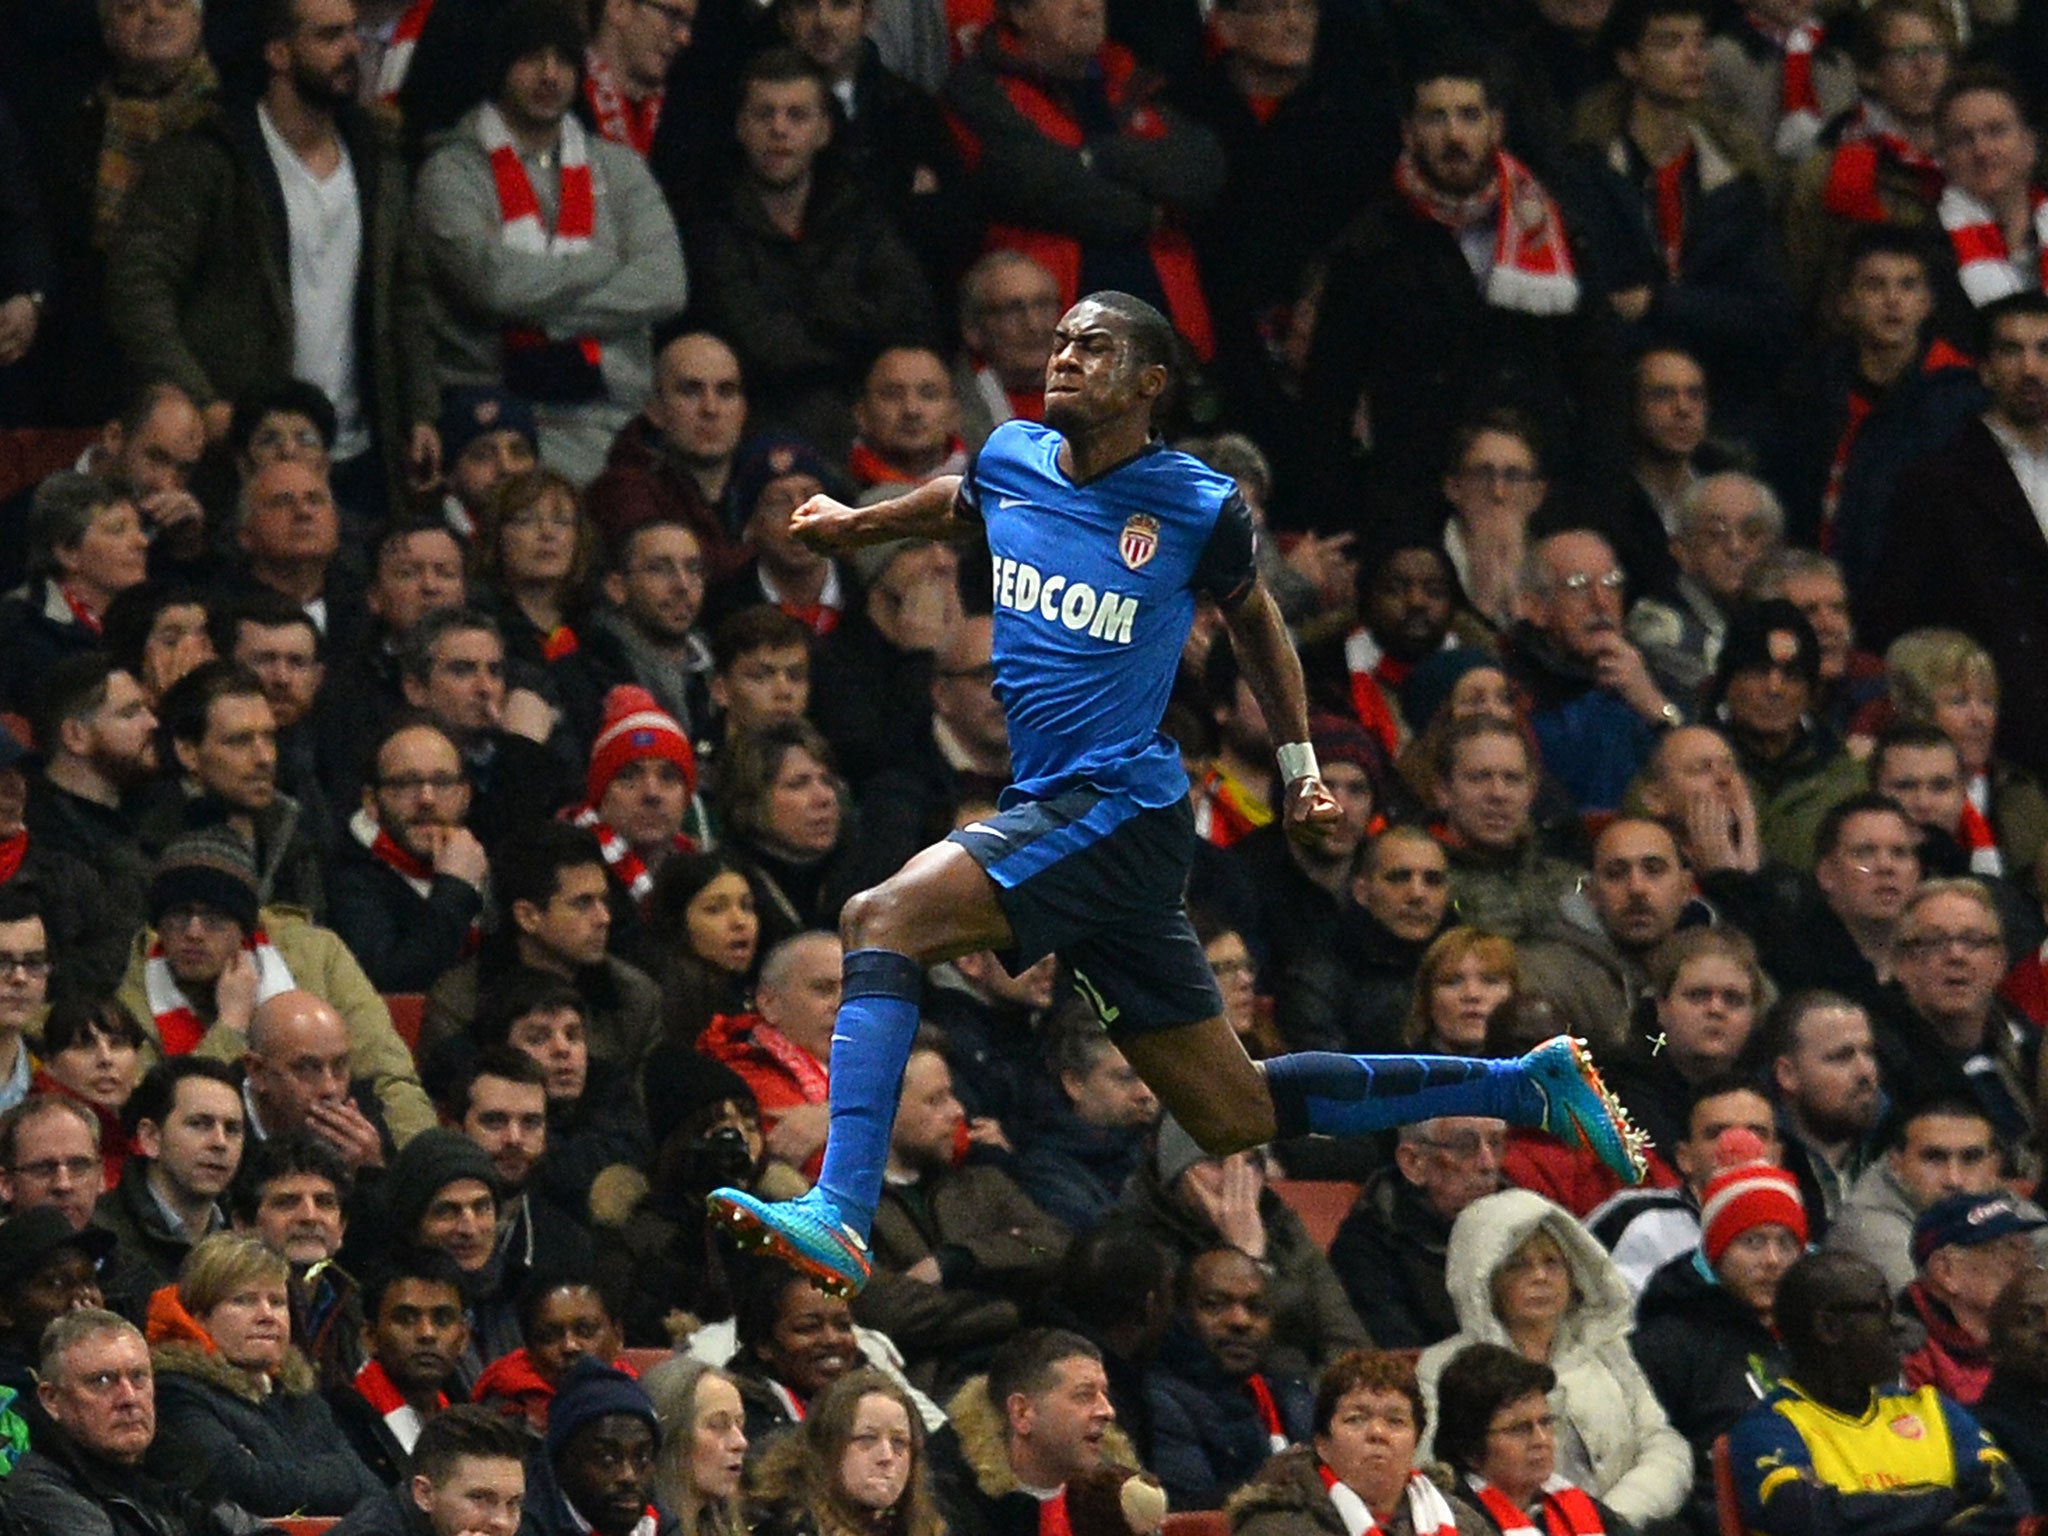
391	1513
290	866
1288	1498
1207	1434
1352	996
1794	792
320	963
979	1494
273	1448
1074	1171
1593	742
1599	991
1514	894
1389	1256
199	281
403	940
1709	1359
1635	1461
60	1490
645	480
1313	1321
2014	1414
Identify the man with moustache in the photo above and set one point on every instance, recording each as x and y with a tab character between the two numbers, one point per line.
1405	600
275	241
407	889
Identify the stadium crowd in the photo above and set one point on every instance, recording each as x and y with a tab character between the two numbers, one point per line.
431	772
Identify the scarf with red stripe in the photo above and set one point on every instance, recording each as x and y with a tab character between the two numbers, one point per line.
1268	1411
623	119
405	41
1532	268
1670	185
1053	1519
519	215
87	619
561	641
178	1025
1373	672
400	1417
1567	1511
1869	138
812	1080
870	468
12	851
1974	830
619	856
1861	403
1799	121
1428	1510
1984	261
1226	810
416	873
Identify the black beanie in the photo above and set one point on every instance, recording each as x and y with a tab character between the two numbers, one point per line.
425	1166
677	1082
214	867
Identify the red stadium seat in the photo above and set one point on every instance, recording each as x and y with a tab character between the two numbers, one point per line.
1724	1491
304	1525
407	1009
1196	1522
645	1359
1322	1204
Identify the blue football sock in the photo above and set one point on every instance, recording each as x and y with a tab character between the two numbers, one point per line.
870	1048
1326	1094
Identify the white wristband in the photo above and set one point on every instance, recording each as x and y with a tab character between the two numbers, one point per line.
1298	761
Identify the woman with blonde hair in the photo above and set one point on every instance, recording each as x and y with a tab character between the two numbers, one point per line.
703	1445
238	1413
1944	679
1464	975
856	1467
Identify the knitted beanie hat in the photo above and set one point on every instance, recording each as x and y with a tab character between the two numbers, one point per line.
1747	1192
636	727
212	866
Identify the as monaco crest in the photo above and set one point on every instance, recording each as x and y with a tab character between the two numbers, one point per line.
1139	541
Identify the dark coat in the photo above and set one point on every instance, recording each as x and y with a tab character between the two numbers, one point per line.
1352	995
37	630
1708	1358
275	1453
644	481
199	284
1389	1253
405	941
1074	1171
391	1513
1962	549
290	868
104	840
1207	1436
59	1490
1288	1498
131	1213
2014	1414
546	1511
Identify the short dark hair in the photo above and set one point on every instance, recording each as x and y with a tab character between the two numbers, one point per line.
762	627
416	649
1972	78
72	688
1449	61
465	1430
434	1266
515	993
1629	21
79	1020
2031	303
280	394
284	1156
1866	241
1368	1370
759	1286
618	551
500	1061
1110	1274
1947	1107
1719	1086
155	1095
1780	1028
126	625
1829	836
264	607
781	64
543	1283
1152	335
1907	735
188	703
1477	1382
1808	1289
1867	48
528	865
1026	1363
20	900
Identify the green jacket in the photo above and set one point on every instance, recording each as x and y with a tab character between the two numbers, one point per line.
321	964
199	278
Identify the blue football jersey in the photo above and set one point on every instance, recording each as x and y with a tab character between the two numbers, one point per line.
1095	589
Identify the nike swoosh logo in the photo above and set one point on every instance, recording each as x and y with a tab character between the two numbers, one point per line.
1007	502
979	826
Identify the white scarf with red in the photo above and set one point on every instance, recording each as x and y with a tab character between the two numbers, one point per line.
623	119
418	874
1799	120
619	856
399	1416
1373	673
1532	265
1974	831
405	41
519	213
178	1025
1268	1411
1984	262
1428	1510
1566	1510
812	1080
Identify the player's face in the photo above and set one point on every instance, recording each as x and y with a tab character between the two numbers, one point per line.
1094	375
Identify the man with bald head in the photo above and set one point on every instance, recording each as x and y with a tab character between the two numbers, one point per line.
289	533
295	1077
1695	789
1591	961
1595	708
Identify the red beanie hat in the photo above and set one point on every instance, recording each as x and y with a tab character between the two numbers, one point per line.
636	727
1747	1192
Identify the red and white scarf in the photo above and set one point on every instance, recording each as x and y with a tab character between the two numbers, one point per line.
812	1080
418	874
1567	1511
619	855
627	120
1974	831
519	212
400	1417
1532	265
1799	120
178	1025
1983	259
405	41
1373	672
1268	1411
1428	1510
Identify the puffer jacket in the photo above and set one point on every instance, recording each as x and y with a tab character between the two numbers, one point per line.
1635	1462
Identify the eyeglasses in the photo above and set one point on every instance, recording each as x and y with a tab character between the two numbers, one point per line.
30	965
1470	1144
1581	582
1968	943
415	783
45	1169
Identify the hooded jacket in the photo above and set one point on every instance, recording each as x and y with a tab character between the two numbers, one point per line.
1634	1460
979	1494
1287	1498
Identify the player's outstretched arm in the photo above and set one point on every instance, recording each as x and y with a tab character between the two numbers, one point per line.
925	512
1265	654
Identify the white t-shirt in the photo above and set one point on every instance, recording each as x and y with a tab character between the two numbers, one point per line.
324	219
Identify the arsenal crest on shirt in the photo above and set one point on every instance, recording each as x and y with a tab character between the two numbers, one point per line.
1139	541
